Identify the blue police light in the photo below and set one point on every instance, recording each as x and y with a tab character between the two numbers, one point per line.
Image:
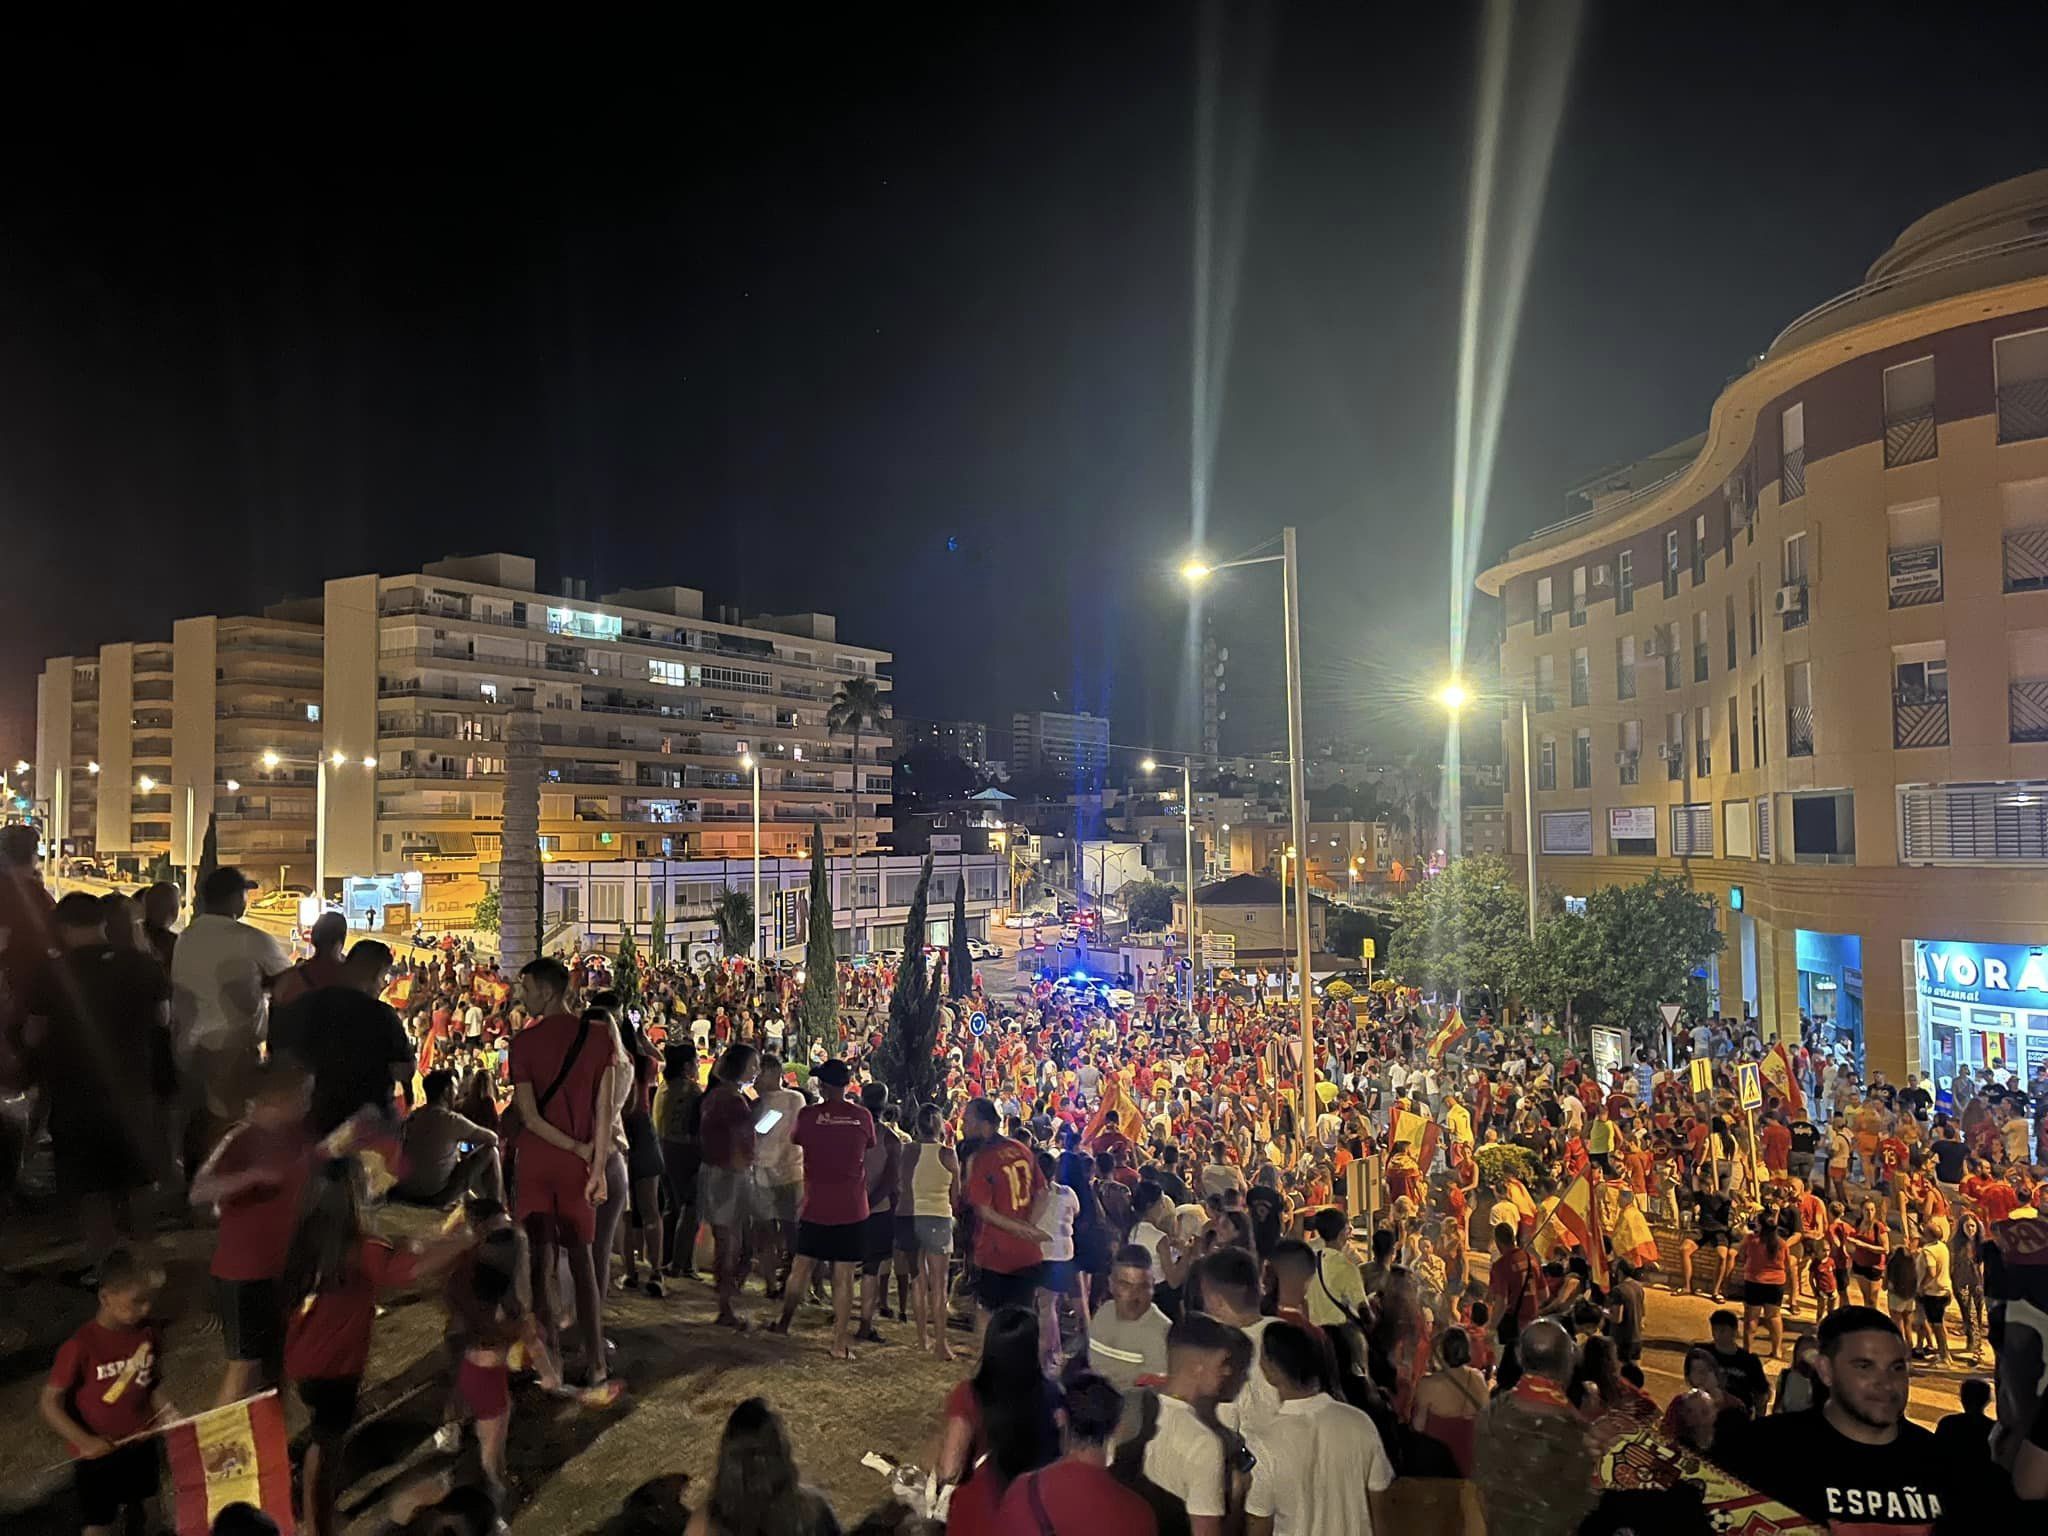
1078	976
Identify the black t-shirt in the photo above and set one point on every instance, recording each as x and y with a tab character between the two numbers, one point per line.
1744	1374
1265	1207
1716	1212
347	1040
1917	1100
1950	1159
1805	1137
1168	1179
1898	1489
106	1054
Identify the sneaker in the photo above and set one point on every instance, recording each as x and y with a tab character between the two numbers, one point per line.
448	1438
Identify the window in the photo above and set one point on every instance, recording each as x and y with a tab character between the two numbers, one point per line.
1731	630
1799	721
1700	632
1795	560
1763	828
1734	738
1546	682
1628	753
1909	412
1692	831
607	901
1703	742
1792	460
1699	548
1582	758
1625	667
1578	596
1924	679
1674	745
2025	513
1920	696
674	673
1546	763
1672	647
1625	582
1671	562
1582	677
1981	823
1756	724
1914	555
2026	667
2021	365
1755	611
564	903
1824	828
1544	604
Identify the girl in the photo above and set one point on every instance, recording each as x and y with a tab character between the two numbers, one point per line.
755	1488
488	1313
644	1166
332	1274
1867	1242
1763	1280
1966	1277
931	1171
678	1115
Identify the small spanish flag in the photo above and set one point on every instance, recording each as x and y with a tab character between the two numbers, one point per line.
1579	1214
1776	1070
1448	1034
233	1455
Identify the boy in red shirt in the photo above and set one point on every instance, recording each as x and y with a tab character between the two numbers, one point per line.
101	1394
832	1224
255	1178
1002	1187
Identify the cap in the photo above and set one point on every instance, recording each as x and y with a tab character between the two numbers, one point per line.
223	882
834	1073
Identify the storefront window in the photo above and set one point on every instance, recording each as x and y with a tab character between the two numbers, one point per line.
1831	991
1980	1006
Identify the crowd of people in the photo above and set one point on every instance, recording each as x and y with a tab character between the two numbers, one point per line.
1194	1301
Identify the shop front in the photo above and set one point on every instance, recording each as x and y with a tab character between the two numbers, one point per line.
1981	1005
1831	989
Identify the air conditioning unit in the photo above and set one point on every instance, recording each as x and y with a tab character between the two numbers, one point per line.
1669	752
1652	647
1790	599
1625	758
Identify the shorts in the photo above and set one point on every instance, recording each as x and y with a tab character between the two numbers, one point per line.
1934	1309
643	1148
777	1202
107	1484
934	1233
726	1197
1762	1293
1060	1277
250	1322
843	1242
549	1190
1713	1240
904	1233
995	1288
1800	1166
332	1402
486	1390
878	1241
1899	1305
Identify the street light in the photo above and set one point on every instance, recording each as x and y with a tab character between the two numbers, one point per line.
1454	696
1196	571
1187	824
273	760
753	765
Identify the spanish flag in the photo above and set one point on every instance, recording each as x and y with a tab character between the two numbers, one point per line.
1578	1212
1524	1203
233	1455
1448	1034
1633	1239
1130	1120
1417	1132
1776	1070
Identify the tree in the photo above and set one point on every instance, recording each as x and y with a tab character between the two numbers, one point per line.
1563	971
657	928
907	1061
626	971
818	1009
857	708
209	852
1150	905
1466	928
959	963
1651	938
1350	927
733	911
488	914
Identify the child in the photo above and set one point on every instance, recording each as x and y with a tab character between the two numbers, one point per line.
1822	1269
488	1316
332	1274
256	1177
101	1394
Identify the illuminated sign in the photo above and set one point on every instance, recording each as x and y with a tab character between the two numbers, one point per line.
578	621
1999	975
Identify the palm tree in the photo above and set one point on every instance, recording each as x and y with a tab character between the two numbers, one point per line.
734	913
858	709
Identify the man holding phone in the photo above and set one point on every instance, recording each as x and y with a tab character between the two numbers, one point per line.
778	1172
835	1135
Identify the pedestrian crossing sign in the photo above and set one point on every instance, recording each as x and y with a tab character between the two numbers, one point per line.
1702	1075
1749	1087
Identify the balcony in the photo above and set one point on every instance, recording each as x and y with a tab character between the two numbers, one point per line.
1792	474
1671	581
1546	775
1915	576
2026	559
1674	761
2022	410
2027	708
1919	718
1909	439
1799	730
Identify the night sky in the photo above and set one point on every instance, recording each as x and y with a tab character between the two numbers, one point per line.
780	311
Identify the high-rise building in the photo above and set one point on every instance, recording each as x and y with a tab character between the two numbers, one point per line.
1802	660
964	739
374	715
1044	741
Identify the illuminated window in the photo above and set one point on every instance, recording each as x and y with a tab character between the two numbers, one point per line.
673	673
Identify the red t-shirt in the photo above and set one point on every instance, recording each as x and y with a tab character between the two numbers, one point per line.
538	1052
1997	1200
1775	1140
1004	1177
328	1334
726	1128
835	1136
108	1378
1076	1497
256	1227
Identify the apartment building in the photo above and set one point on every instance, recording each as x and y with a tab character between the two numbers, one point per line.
964	739
1802	659
373	719
1046	741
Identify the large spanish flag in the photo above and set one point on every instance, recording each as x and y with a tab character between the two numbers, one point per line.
1578	1212
1130	1119
1448	1034
1776	1070
1524	1203
232	1455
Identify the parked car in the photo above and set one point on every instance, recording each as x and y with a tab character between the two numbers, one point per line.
981	949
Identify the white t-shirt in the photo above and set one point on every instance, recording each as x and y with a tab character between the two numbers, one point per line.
217	974
1186	1459
1149	1237
1057	1220
1316	1463
778	1159
1257	1405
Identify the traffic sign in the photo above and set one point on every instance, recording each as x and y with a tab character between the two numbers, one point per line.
977	1022
1749	1085
1702	1075
1369	950
1219	948
1671	1012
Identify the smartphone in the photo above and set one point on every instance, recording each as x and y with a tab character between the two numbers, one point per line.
770	1118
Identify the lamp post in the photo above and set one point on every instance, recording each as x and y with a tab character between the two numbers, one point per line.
149	786
272	761
1196	571
1187	826
1454	696
753	765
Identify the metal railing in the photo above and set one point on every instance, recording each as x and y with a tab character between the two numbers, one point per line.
1582	692
1792	474
1545	617
1798	729
1578	615
1918	272
2026	558
1919	718
1909	439
2027	709
1625	682
1701	667
2022	410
